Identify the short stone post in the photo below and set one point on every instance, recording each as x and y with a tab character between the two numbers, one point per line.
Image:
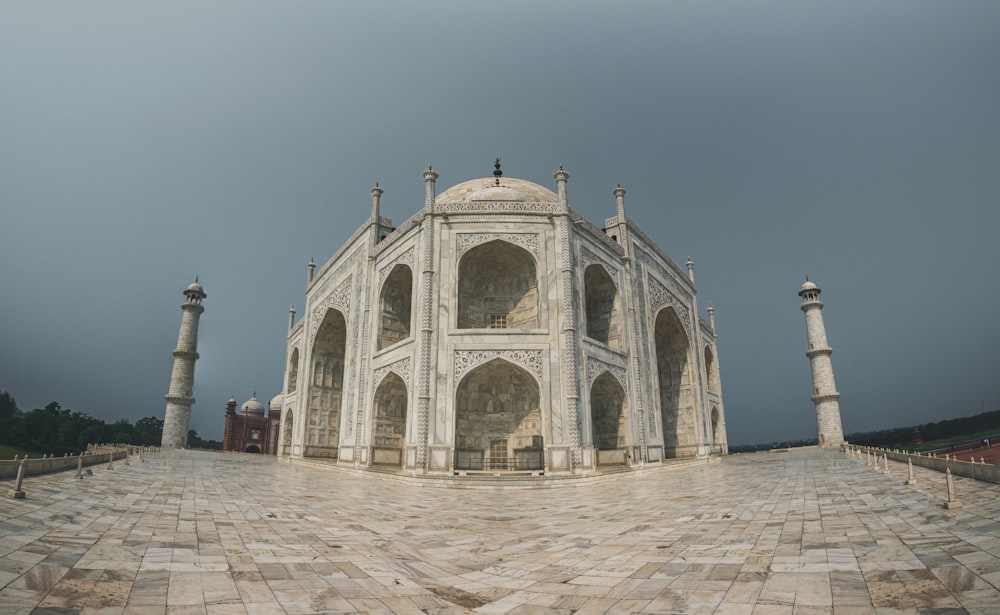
909	472
868	458
952	503
127	451
140	454
885	463
79	466
111	461
16	492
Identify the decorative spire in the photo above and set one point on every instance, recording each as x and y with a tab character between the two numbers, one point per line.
497	173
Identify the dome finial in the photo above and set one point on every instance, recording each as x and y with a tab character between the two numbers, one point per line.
497	173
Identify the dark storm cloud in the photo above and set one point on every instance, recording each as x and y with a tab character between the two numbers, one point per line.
141	145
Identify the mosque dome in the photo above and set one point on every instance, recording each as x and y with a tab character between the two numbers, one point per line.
195	287
808	286
252	407
276	402
486	189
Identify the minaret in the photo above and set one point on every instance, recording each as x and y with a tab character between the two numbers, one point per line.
180	398
825	395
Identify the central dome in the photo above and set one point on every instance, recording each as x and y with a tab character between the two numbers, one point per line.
486	189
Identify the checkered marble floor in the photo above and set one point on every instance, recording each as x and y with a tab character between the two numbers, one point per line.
806	531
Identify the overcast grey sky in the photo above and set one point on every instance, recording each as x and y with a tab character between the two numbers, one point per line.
858	143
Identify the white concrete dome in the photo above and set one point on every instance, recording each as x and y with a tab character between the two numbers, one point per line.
808	286
486	189
252	407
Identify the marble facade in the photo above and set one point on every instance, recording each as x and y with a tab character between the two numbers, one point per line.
497	330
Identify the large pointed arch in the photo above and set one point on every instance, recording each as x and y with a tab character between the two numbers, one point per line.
674	377
608	419
390	404
498	288
326	388
603	307
498	423
395	300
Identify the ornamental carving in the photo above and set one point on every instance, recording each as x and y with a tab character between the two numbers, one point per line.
528	241
401	368
596	367
544	208
406	258
466	360
588	258
339	298
660	296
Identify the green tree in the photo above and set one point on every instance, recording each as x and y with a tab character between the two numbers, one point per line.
8	415
149	431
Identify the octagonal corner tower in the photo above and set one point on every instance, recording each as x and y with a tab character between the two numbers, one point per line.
496	330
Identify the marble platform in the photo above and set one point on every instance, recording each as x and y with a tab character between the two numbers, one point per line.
802	532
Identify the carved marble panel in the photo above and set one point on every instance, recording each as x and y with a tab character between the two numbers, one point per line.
465	360
595	367
401	368
406	258
528	241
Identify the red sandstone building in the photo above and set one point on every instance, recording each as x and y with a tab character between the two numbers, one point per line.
251	430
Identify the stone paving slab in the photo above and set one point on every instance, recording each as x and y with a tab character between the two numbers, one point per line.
803	532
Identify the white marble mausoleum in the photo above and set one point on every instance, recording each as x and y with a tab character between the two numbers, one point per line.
497	330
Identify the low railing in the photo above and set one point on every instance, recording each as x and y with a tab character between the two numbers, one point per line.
524	460
96	453
978	470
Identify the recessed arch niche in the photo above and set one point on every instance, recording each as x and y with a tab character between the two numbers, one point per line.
497	288
293	371
603	307
395	300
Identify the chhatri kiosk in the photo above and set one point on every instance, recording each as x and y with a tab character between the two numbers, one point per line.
496	330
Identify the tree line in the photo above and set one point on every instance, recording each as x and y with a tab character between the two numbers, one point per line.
54	430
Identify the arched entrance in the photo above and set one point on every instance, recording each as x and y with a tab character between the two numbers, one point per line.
673	366
608	420
253	448
498	423
497	288
327	387
390	421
